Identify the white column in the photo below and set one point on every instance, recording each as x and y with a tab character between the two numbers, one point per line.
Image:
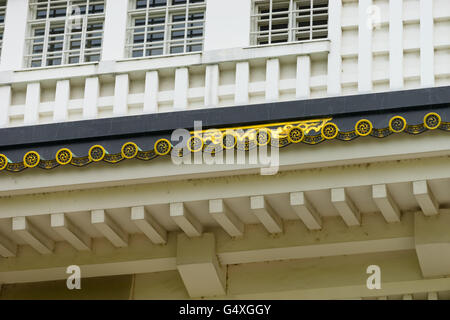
180	100
212	86
242	81
62	97
364	47
272	79
33	99
14	35
151	92
426	43
303	77
334	57
5	103
396	43
121	89
221	31
114	38
91	93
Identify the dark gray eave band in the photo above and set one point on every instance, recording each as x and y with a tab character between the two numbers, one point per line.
163	123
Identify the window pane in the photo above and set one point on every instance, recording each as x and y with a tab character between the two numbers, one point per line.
279	21
154	52
63	33
73	60
2	21
177	49
156	23
36	63
92	58
98	8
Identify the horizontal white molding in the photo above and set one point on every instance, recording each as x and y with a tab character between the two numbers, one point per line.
165	62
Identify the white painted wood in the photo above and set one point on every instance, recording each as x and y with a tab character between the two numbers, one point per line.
212	86
266	214
151	92
121	89
383	199
114	37
91	94
33	99
7	247
71	233
432	296
5	98
303	77
109	228
222	32
190	189
31	235
305	210
425	198
334	56
408	297
199	266
272	79
242	83
226	218
364	47
13	47
62	97
426	43
396	44
180	101
345	206
148	225
185	220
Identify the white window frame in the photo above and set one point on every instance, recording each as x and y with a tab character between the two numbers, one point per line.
168	11
293	32
2	24
67	21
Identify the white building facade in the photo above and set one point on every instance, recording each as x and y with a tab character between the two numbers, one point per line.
165	231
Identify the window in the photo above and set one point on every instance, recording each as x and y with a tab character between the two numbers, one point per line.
2	21
65	32
159	27
278	21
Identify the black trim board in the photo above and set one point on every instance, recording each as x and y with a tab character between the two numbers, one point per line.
162	123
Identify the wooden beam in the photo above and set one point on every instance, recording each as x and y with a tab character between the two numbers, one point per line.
383	199
199	267
7	247
145	222
432	243
305	210
109	228
345	206
72	234
425	198
31	235
266	215
226	218
257	246
185	220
